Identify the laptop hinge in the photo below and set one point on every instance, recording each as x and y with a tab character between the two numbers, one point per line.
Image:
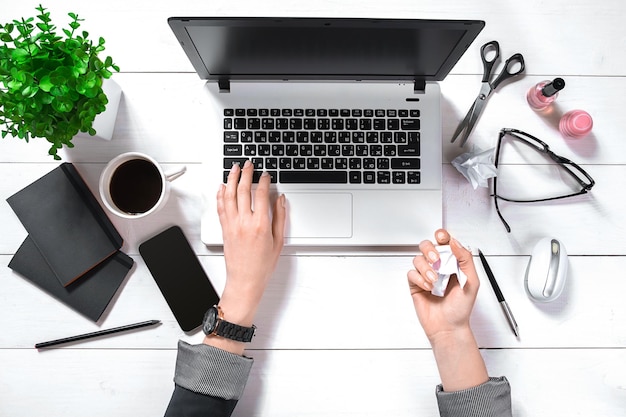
420	86
224	85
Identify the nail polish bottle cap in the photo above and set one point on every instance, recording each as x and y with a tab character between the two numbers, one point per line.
553	87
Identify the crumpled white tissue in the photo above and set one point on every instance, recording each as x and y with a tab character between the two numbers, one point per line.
445	267
477	166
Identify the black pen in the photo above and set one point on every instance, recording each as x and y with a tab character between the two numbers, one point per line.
98	333
499	296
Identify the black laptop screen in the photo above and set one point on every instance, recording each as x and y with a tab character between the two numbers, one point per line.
264	48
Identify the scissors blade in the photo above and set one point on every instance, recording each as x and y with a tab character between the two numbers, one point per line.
468	122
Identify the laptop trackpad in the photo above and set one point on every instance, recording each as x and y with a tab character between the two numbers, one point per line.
318	215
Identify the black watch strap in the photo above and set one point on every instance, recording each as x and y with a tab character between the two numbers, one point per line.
235	332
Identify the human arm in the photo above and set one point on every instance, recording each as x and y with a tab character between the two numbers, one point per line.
465	383
210	377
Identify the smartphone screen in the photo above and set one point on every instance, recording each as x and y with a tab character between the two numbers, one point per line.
180	277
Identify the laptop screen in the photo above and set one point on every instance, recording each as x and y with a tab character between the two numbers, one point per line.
317	48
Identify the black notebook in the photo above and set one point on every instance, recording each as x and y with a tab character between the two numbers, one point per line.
66	223
90	295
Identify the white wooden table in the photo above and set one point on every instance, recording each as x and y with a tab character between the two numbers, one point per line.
337	331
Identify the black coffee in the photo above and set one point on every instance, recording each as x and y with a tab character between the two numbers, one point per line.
136	186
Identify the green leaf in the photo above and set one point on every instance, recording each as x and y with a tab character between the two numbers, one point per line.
19	54
73	15
46	84
5	37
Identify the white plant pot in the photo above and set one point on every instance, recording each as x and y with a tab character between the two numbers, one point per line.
104	123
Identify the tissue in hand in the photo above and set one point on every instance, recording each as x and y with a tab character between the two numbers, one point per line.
445	267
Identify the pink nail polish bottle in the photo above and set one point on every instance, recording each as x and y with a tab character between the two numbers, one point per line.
575	124
544	93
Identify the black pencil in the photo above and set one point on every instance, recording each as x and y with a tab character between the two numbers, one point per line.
96	334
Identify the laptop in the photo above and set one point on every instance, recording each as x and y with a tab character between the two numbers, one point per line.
343	113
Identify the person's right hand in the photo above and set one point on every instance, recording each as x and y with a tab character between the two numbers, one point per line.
441	315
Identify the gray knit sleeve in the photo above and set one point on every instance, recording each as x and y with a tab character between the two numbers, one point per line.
491	399
211	371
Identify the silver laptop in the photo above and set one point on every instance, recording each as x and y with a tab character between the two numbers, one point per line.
343	113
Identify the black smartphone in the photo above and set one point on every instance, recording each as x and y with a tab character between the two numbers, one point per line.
180	277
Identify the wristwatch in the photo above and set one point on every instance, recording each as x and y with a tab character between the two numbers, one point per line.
214	324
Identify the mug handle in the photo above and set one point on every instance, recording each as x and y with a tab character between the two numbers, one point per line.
173	175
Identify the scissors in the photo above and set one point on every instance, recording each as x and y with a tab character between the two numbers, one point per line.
512	67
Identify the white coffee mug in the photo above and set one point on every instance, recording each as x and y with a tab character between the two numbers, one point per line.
133	185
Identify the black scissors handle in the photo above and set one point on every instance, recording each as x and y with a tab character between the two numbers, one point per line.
488	63
512	67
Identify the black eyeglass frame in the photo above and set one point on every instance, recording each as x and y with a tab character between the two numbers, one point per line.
543	148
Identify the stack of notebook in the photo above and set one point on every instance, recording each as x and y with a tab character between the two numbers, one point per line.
72	250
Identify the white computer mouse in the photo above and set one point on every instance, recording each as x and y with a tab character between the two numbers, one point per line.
547	270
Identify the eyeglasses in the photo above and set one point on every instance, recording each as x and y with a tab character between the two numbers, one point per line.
576	172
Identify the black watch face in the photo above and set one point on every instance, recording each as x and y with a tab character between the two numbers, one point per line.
210	320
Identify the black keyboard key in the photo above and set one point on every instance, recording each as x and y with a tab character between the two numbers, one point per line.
313	177
410	124
357	113
383	177
309	124
334	150
369	177
327	163
285	163
341	163
306	150
230	137
282	123
287	113
405	163
330	137
369	163
291	150
355	177
298	112
274	136
264	112
313	163
267	124
392	113
295	124
333	112
319	150
309	112
322	113
260	136
278	150
249	150
274	112
413	177
302	136
379	124
240	112
289	136
257	163
382	163
409	150
414	113
391	150
229	162
362	150
398	177
246	136
337	124
356	163
228	123
233	150
317	137
240	123
376	150
264	150
393	124
403	113
365	124
352	124
271	163
229	112
323	124
256	176
251	112
299	163
372	137
379	113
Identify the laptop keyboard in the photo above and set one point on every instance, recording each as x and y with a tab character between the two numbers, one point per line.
325	146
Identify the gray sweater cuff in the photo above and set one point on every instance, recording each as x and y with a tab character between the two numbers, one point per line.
211	371
493	398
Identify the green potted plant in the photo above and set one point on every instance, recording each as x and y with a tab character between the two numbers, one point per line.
50	84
